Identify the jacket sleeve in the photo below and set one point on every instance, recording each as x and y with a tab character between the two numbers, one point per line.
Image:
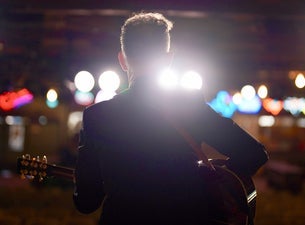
88	194
246	154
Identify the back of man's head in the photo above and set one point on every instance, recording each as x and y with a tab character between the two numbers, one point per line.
145	36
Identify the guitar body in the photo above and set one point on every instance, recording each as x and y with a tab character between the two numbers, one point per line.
231	198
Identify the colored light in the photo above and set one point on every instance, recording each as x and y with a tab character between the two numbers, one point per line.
223	104
273	106
83	98
294	105
52	105
251	106
11	100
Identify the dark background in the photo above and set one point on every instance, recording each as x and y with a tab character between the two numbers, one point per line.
44	43
231	43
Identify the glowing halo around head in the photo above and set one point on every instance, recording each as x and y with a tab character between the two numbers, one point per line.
168	79
191	80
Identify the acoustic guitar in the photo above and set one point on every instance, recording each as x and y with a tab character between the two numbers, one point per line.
232	198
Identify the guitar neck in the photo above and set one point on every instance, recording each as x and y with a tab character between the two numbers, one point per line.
60	172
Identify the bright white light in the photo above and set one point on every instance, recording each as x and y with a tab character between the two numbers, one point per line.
248	92
52	95
168	79
300	81
84	81
262	91
104	96
109	81
237	98
266	121
191	80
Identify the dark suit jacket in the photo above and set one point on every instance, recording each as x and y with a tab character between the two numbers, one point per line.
133	161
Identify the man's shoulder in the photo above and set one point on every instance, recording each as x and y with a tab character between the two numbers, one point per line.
116	102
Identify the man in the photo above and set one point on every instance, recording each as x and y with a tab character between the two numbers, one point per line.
132	161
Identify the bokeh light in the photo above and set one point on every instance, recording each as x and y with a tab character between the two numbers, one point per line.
52	95
248	92
237	98
53	104
266	121
109	81
84	81
250	106
168	79
223	104
191	80
262	91
300	81
83	98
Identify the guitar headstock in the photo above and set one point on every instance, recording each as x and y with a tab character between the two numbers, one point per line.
32	168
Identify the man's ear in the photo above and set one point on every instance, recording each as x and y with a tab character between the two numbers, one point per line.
122	61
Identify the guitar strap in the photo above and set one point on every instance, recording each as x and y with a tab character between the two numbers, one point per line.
202	158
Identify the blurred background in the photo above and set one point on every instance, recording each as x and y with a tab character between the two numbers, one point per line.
58	57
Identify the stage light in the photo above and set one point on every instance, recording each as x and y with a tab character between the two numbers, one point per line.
191	80
109	81
168	79
84	81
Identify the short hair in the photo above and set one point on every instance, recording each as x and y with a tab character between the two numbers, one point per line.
147	33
